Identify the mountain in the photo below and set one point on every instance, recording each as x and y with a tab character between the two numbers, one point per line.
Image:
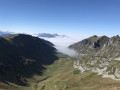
48	35
99	54
27	64
4	34
89	46
22	56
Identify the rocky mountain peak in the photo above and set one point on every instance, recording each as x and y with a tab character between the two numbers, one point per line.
99	54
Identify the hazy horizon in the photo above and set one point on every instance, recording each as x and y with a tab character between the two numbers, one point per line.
78	19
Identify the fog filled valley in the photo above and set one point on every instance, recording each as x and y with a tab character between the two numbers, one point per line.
59	44
59	62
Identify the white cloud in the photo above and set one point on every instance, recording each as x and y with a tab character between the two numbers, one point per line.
61	44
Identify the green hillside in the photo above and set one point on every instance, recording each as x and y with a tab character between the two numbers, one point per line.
22	56
62	76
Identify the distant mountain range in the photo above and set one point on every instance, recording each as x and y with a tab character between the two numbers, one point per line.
4	34
48	35
44	35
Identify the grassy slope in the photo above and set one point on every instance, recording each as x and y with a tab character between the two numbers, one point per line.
62	76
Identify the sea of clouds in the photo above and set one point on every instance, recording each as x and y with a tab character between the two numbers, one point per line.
62	44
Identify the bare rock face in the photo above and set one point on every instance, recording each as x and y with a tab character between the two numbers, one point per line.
90	46
99	54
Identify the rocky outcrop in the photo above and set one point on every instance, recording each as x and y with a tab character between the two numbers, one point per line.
99	54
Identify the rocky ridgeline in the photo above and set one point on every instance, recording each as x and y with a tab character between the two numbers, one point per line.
99	54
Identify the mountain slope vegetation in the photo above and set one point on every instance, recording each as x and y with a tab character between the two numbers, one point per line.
31	63
99	54
62	76
22	56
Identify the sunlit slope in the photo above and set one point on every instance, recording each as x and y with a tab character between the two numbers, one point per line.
99	54
62	76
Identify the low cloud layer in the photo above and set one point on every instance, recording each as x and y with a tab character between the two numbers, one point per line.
61	44
67	51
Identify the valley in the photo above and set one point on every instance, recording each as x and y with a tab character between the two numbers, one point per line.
62	76
41	67
59	44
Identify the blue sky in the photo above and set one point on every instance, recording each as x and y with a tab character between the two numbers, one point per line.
87	17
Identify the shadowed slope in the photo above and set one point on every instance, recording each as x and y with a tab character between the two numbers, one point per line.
22	56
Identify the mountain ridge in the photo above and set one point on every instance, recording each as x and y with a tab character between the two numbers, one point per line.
99	54
23	56
4	34
49	35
